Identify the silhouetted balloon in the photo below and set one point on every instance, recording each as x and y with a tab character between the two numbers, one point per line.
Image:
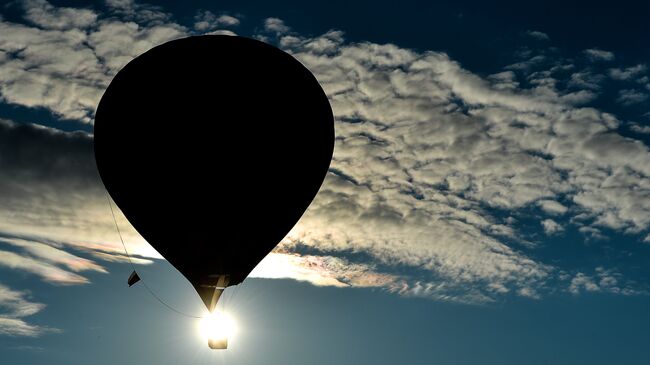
213	147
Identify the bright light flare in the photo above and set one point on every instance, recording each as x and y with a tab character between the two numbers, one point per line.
217	328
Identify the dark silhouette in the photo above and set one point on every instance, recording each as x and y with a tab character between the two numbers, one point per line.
133	279
213	147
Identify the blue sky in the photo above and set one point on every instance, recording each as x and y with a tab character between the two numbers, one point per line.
487	200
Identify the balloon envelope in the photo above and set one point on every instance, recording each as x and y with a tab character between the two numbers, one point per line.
213	147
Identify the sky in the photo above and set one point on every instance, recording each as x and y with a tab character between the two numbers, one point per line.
487	202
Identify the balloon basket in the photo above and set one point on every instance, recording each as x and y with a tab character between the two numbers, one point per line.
218	343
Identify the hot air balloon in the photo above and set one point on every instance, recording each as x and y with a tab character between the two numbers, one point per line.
213	147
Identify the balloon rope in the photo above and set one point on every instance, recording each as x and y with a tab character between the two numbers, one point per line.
110	204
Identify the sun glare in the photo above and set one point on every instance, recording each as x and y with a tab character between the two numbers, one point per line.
217	328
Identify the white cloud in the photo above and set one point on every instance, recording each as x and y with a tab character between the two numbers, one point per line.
425	151
227	20
53	255
603	280
275	25
506	80
129	10
643	129
53	201
586	80
14	304
221	32
18	327
48	272
402	134
64	67
321	271
537	35
529	293
592	233
43	14
627	73
118	257
596	54
51	69
630	96
13	307
208	21
551	227
120	4
583	282
115	43
279	266
552	207
528	64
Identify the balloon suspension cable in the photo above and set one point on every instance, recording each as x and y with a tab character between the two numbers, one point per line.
153	294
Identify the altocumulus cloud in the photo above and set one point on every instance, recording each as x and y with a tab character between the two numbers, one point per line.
433	164
427	152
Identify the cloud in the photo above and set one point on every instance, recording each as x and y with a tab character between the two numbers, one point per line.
506	80
627	73
528	64
65	67
603	280
529	293
207	21
129	10
51	69
53	213
54	255
115	43
275	25
538	35
222	32
552	207
278	266
53	202
48	272
583	282
46	16
116	257
643	129
14	304
551	227
424	146
586	80
595	54
18	327
13	307
630	96
428	156
321	271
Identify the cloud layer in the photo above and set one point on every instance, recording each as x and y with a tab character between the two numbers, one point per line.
14	305
429	157
52	202
433	171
